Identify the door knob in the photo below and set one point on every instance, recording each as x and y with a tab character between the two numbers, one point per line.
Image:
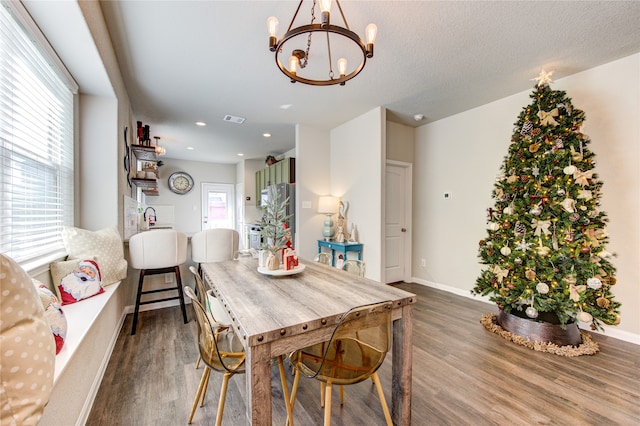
404	229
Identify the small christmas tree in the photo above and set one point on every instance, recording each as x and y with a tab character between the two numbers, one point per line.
275	233
546	237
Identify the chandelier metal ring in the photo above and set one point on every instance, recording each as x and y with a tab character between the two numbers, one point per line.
310	28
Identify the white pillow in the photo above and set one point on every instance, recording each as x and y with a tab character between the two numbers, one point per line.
105	245
28	351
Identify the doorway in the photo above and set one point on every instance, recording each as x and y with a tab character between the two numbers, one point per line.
398	221
218	206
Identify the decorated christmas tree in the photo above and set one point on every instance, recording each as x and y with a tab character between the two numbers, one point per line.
274	231
545	248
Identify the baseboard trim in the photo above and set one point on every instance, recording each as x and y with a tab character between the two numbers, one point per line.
609	330
95	386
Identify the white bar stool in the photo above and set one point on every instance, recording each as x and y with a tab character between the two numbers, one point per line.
155	252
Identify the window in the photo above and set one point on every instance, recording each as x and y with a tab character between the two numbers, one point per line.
36	142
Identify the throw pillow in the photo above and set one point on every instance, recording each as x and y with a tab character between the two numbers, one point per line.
106	245
28	351
75	280
53	313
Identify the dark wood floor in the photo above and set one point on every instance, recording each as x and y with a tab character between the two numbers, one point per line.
462	375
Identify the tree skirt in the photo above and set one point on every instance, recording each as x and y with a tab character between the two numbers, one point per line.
588	346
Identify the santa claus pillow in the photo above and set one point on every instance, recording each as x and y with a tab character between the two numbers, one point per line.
53	313
75	280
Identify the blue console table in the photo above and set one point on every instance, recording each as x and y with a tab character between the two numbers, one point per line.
341	248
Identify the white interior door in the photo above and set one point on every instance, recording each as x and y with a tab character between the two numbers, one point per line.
398	222
218	205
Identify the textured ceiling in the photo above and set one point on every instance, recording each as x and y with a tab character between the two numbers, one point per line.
184	61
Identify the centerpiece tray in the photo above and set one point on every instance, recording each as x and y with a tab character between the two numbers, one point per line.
281	271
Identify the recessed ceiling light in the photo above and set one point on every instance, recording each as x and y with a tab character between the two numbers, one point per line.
201	123
190	148
240	154
286	106
266	135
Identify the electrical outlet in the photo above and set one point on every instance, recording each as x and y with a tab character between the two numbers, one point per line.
423	263
168	278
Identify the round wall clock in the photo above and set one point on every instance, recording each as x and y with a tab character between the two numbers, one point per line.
180	182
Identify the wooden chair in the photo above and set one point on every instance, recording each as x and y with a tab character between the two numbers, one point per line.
324	258
357	348
355	267
160	251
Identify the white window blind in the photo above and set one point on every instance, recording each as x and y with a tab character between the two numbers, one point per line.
36	144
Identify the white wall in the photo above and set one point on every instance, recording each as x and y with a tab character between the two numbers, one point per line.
462	155
99	163
188	207
357	170
312	181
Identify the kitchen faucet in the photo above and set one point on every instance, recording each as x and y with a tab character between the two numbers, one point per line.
152	219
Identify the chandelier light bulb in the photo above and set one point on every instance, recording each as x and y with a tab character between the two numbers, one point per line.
293	63
325	8
342	66
272	26
371	32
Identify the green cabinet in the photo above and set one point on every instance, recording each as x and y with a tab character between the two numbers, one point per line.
284	171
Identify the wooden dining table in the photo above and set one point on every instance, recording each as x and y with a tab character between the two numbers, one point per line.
276	315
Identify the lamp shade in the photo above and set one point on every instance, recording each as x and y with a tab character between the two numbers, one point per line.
327	205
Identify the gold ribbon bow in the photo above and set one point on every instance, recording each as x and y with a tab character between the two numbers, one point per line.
582	178
546	118
541	226
500	273
575	290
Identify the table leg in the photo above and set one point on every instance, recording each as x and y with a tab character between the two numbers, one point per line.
401	368
258	371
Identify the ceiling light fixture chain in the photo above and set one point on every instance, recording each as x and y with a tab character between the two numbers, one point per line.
299	58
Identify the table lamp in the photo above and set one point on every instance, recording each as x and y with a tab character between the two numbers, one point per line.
329	206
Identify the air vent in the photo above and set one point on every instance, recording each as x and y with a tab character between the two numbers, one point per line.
234	119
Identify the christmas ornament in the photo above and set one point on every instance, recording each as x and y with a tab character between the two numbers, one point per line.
603	302
509	209
541	226
582	178
574	217
569	236
530	274
560	192
543	288
585	249
531	312
493	226
506	225
523	245
585	194
569	170
512	179
527	127
506	251
535	132
546	117
584	316
517	261
569	205
575	290
519	229
559	144
500	273
594	283
575	155
534	147
535	210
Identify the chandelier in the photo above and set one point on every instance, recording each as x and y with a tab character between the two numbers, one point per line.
318	64
160	150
